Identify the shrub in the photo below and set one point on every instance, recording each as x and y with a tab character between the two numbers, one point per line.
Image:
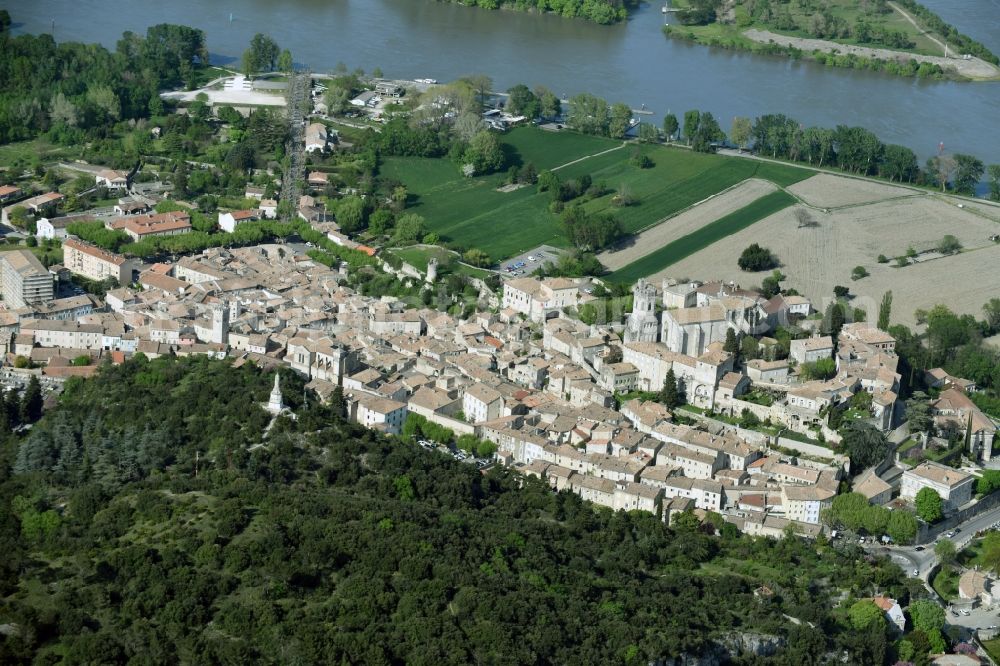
949	245
859	272
882	259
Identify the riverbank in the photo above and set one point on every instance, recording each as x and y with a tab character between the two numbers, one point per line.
835	54
894	40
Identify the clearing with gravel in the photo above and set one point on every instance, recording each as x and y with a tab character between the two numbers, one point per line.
829	191
815	259
695	217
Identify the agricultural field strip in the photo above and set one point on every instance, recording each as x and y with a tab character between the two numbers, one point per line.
688	220
704	237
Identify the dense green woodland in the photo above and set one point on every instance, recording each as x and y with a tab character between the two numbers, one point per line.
84	86
599	11
139	526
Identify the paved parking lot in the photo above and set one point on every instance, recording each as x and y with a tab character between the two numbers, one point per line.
529	262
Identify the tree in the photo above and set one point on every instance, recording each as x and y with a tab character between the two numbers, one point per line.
707	134
993	171
61	110
740	131
18	216
670	126
864	444
902	527
691	120
485	153
264	53
522	102
927	615
548	102
991	314
833	320
899	163
918	413
968	172
949	245
31	401
941	168
945	551
620	120
865	614
409	228
476	257
669	395
732	343
481	85
648	133
285	62
929	506
588	114
350	213
756	258
885	311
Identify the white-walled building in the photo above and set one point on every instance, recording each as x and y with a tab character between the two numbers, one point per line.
377	412
23	279
954	486
95	263
229	221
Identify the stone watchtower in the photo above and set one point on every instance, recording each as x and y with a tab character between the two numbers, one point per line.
432	270
643	324
220	324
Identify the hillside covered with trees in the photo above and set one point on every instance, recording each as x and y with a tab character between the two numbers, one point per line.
146	518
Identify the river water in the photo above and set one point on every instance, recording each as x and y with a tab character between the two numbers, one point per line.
632	62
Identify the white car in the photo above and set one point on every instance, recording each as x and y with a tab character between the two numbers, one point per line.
531	258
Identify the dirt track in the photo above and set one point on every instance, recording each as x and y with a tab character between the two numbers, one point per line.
686	222
974	68
828	191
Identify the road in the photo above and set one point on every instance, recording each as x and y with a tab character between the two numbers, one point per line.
922	559
298	101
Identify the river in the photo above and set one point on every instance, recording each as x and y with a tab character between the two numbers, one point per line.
632	62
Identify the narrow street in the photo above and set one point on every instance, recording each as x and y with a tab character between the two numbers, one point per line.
297	109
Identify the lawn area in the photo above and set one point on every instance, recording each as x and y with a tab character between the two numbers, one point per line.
993	648
469	212
548	150
703	237
945	583
418	256
25	152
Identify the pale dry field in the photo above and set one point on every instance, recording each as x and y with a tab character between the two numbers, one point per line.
989	210
686	222
829	191
816	259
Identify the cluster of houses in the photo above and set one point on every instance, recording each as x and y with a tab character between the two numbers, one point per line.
523	372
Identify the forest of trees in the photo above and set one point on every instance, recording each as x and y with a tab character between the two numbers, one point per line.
81	89
599	11
142	519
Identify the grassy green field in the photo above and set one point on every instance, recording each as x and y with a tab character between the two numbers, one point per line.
683	247
471	213
418	256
